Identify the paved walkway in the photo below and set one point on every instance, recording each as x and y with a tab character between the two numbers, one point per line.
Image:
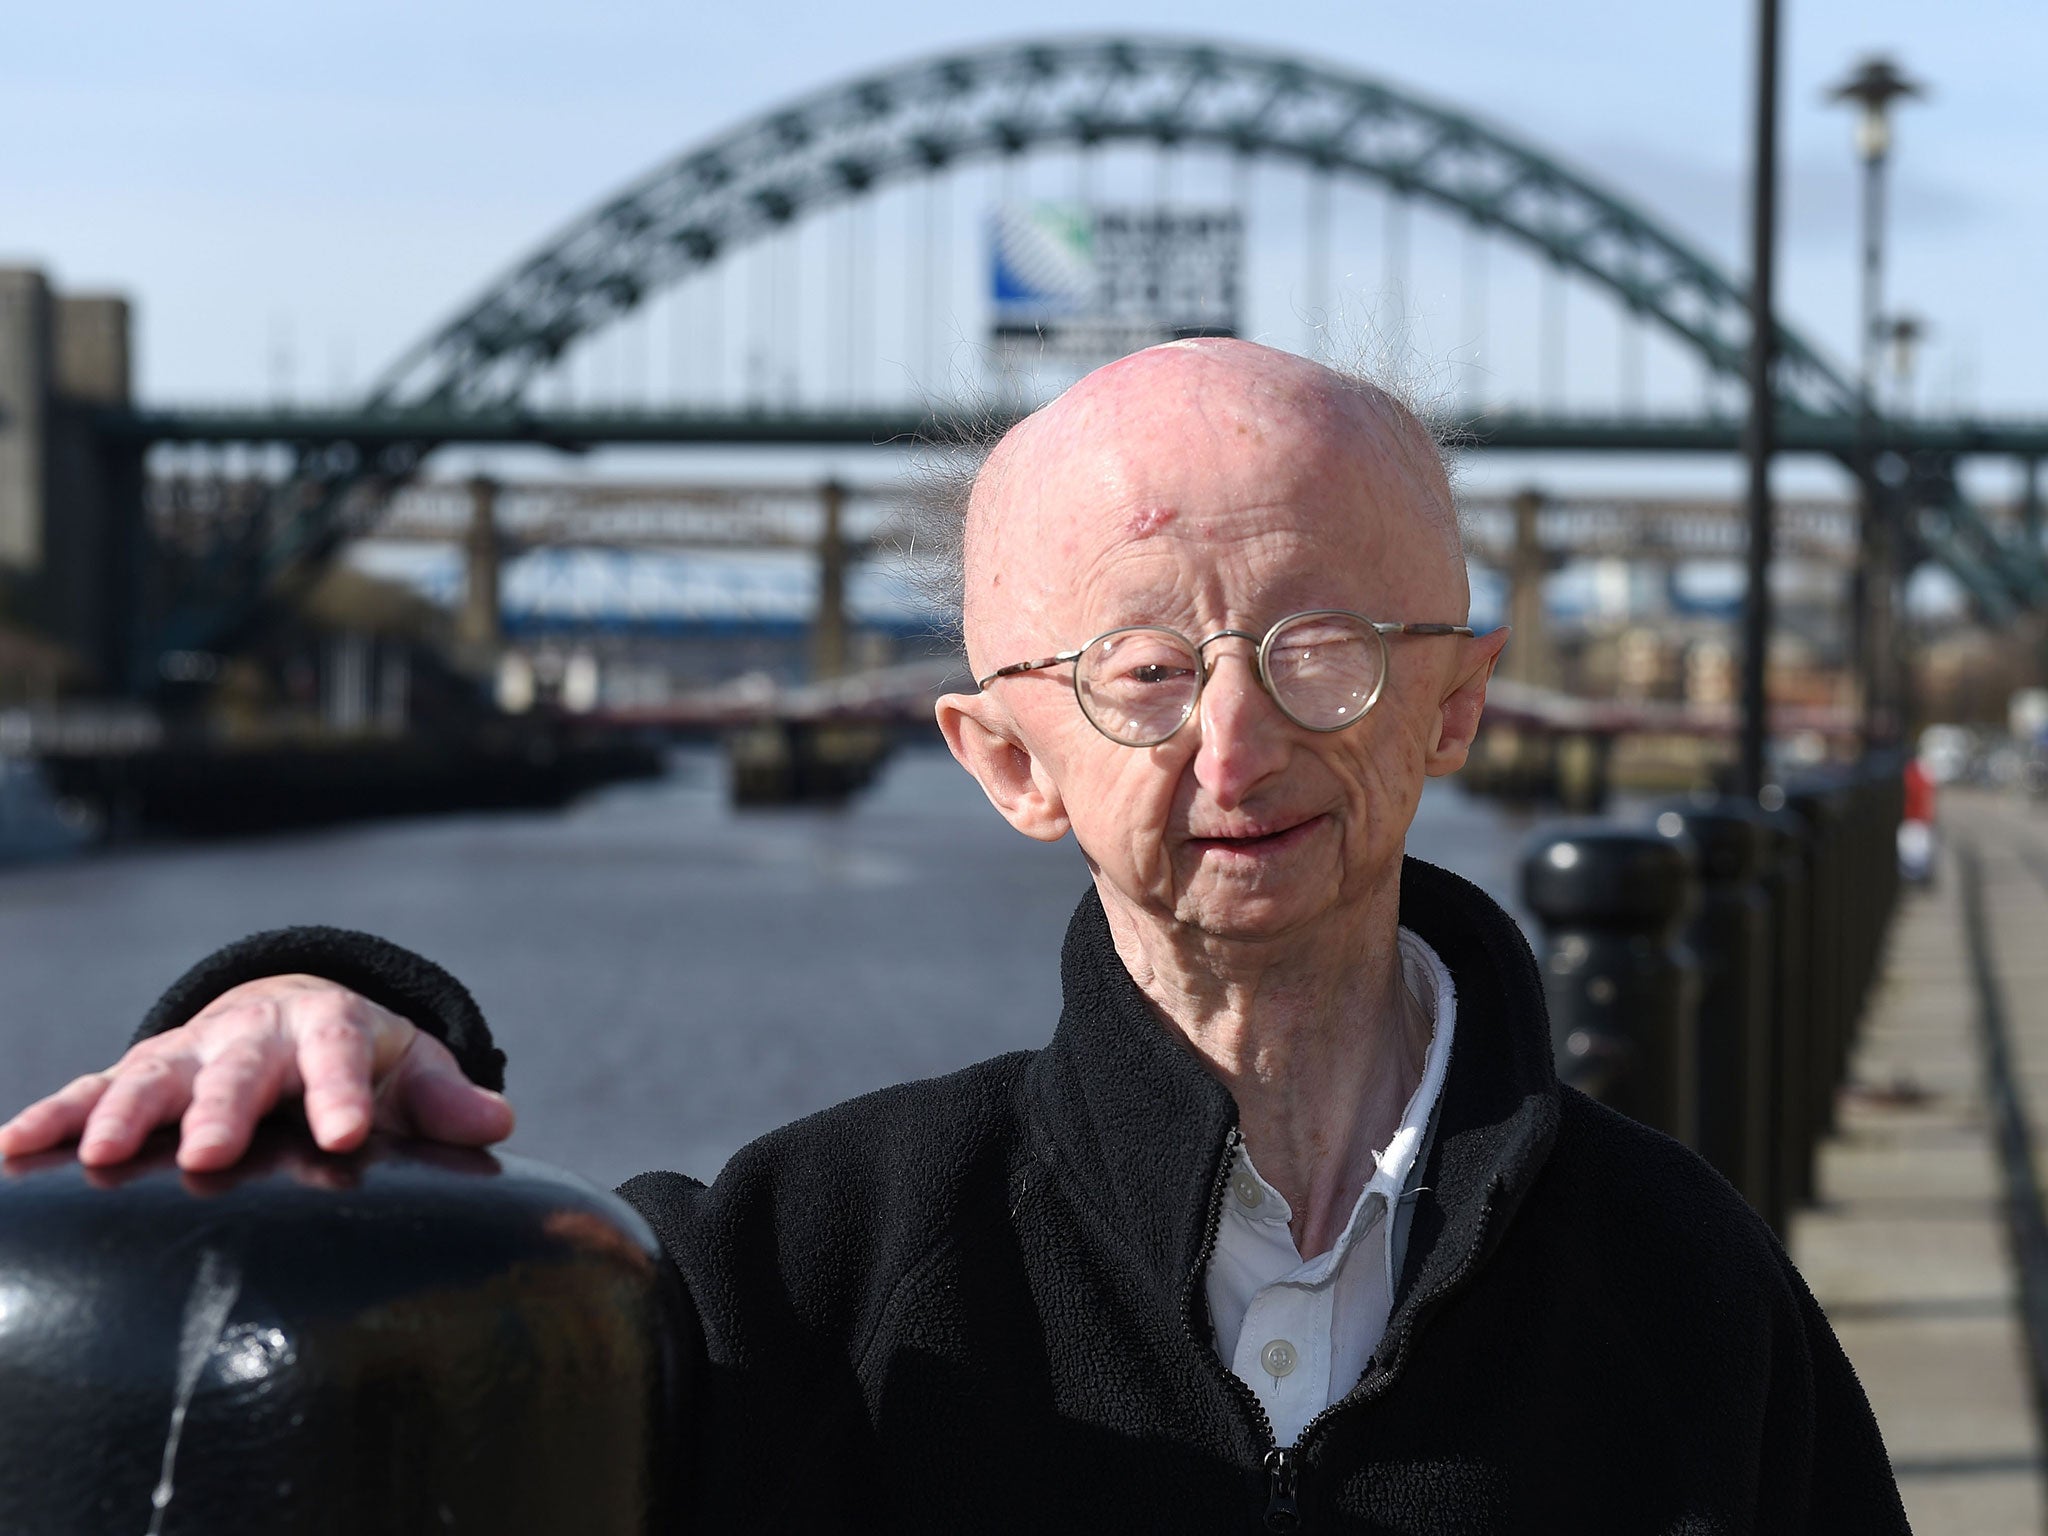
1908	1247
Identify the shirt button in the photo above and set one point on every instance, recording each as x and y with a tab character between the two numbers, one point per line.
1278	1358
1246	1188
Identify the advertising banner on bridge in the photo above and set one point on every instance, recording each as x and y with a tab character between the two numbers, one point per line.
1086	283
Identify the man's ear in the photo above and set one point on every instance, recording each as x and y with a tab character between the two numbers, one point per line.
1458	714
986	743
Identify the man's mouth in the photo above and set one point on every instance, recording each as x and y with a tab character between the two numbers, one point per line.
1258	841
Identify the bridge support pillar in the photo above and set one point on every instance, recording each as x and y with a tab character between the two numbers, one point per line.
1530	657
828	641
479	628
2030	509
70	502
2031	528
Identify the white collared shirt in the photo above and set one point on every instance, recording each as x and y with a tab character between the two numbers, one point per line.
1300	1334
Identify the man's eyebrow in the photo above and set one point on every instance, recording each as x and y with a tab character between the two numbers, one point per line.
1157	605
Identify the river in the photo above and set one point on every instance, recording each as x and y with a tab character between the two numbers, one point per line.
668	976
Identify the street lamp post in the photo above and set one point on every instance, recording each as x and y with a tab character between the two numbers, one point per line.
1759	431
1873	87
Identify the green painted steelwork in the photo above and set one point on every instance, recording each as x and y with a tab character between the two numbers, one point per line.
371	430
846	141
466	382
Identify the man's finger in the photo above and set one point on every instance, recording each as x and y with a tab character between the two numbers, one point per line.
335	1060
232	1092
436	1102
143	1095
55	1119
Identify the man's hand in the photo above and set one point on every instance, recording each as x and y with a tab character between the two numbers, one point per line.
357	1067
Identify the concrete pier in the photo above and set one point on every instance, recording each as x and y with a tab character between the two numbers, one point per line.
1909	1247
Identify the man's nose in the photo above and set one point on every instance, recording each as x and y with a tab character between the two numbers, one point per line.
1243	732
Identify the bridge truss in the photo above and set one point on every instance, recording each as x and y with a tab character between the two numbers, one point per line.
471	380
848	141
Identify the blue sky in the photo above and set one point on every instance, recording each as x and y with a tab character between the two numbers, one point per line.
334	178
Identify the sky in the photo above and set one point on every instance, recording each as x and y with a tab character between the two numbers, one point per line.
302	190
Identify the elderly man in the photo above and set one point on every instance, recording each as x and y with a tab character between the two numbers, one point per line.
1290	1226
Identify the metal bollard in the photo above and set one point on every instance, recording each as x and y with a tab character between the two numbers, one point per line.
1892	776
1865	910
1810	798
1622	990
1852	879
1729	935
1884	771
1792	1133
409	1338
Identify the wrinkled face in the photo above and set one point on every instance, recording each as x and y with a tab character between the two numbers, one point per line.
1222	488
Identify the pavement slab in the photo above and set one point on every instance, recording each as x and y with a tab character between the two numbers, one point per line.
1907	1245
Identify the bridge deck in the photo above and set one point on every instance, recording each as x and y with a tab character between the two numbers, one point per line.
1909	1247
914	423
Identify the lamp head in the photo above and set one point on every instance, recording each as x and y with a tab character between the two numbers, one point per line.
1874	85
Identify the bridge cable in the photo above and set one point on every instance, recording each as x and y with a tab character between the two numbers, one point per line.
1550	354
1316	301
1394	278
1473	283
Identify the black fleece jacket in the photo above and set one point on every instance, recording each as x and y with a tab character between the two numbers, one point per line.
976	1303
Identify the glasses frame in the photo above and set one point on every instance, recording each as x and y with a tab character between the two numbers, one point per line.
1205	666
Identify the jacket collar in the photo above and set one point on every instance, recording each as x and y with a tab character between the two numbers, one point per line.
1497	1119
1143	1133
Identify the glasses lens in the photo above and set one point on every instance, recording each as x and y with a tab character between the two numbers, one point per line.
1138	685
1326	668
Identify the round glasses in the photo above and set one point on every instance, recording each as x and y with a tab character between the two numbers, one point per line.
1139	685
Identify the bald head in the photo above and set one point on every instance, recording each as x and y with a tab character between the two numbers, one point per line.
1215	442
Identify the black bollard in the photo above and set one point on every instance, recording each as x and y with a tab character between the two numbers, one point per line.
1809	797
1884	779
1792	1132
1623	992
1852	877
407	1339
1864	911
1729	935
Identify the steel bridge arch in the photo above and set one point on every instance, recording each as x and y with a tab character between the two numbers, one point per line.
847	140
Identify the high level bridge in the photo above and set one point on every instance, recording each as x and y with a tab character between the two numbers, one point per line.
579	550
921	254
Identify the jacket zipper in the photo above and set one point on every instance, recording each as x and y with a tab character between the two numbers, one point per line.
1393	1347
1282	1462
1282	1465
1282	1513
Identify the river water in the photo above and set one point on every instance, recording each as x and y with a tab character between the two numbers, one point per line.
668	976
